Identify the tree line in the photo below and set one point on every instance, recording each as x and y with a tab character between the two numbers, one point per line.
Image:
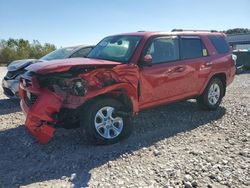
236	31
14	49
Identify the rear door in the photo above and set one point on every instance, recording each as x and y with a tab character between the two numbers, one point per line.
195	57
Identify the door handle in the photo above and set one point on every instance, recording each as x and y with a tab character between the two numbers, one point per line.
179	69
176	69
208	64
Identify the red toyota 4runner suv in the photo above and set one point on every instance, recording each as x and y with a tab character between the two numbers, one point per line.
121	76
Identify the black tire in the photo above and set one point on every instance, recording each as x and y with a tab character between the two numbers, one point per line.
88	118
204	101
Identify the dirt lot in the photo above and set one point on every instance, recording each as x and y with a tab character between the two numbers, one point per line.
177	145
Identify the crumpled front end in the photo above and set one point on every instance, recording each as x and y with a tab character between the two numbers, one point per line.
39	106
56	99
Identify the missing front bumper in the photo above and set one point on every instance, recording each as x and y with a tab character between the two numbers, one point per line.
40	115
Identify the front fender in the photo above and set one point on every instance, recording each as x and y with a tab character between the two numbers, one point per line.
74	102
104	81
129	90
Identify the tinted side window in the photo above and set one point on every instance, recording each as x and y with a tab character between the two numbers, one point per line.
81	53
192	47
219	43
163	49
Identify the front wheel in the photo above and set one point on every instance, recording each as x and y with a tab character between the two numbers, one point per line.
212	96
102	122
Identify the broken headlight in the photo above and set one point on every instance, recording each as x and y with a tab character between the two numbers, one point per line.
72	86
78	87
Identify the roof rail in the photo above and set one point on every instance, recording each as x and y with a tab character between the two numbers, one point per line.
181	30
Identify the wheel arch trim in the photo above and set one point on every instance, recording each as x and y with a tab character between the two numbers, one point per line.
123	92
221	75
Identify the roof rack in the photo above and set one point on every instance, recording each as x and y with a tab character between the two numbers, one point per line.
181	30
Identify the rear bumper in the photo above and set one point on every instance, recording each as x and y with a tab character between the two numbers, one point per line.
39	112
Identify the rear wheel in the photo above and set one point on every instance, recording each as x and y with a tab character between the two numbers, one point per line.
212	96
103	124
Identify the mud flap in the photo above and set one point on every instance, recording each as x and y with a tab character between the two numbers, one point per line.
41	113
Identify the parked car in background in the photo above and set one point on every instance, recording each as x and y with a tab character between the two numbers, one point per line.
239	68
16	68
243	60
123	75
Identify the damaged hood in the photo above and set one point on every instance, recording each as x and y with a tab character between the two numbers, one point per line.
19	64
65	64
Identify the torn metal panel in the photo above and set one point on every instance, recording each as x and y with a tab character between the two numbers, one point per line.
40	116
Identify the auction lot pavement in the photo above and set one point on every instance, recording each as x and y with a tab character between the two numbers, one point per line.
175	145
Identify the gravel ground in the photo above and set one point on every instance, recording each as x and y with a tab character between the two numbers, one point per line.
177	145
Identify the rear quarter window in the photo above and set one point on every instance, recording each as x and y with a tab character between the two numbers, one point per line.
219	43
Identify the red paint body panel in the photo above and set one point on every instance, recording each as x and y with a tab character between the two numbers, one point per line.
40	114
64	65
170	81
145	86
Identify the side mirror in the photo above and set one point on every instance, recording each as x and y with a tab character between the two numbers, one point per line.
147	60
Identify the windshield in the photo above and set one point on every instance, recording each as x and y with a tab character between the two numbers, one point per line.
59	54
115	48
